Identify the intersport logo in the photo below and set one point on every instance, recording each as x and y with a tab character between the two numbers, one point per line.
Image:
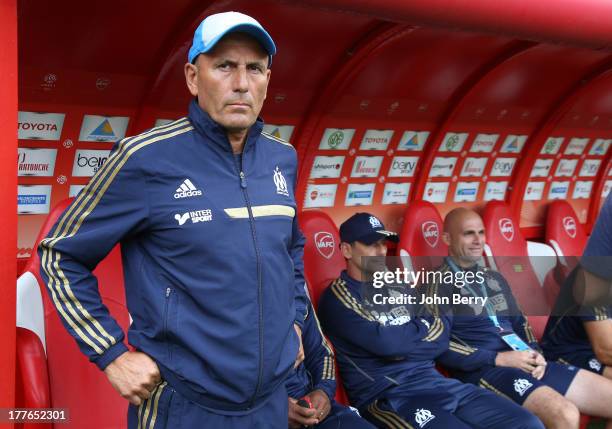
325	244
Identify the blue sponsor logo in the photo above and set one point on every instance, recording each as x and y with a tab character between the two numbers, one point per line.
360	194
411	143
559	190
468	191
25	200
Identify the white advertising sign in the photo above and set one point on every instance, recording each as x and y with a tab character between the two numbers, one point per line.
403	166
541	168
88	162
600	147
336	139
606	189
103	128
534	191
484	143
413	140
75	189
326	166
320	196
39	126
33	199
435	192
396	193
590	167
160	122
513	143
360	194
473	167
376	140
495	191
366	166
36	162
558	190
466	191
453	142
576	146
503	167
552	146
582	190
282	132
443	166
566	167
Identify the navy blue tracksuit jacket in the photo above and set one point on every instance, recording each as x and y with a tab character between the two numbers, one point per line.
212	260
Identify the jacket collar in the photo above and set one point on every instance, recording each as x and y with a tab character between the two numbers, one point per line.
354	285
205	125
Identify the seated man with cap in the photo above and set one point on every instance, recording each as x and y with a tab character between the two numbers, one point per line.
386	352
492	344
312	386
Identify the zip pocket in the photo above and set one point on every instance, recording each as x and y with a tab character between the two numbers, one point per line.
165	319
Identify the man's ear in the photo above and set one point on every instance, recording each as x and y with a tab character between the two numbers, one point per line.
446	238
346	249
191	78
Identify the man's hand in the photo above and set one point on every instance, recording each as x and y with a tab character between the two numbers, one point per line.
539	371
526	360
321	403
301	416
134	375
300	356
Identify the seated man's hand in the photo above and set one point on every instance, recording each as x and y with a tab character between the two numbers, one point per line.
134	375
301	416
321	403
300	356
540	369
525	360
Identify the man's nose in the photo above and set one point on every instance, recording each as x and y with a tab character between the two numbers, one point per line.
240	82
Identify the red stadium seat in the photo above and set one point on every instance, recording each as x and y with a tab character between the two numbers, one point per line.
565	233
421	244
323	261
526	265
52	371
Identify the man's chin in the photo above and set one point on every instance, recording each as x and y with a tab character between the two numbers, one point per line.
238	125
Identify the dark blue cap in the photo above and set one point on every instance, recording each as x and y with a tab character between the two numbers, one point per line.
365	228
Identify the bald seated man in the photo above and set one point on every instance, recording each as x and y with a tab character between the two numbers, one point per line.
493	346
386	352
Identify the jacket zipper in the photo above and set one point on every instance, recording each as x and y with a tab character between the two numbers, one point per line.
243	187
166	305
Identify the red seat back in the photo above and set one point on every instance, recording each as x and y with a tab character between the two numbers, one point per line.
323	261
70	373
421	236
565	233
509	248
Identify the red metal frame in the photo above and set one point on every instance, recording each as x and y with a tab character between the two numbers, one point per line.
455	105
582	22
8	192
359	56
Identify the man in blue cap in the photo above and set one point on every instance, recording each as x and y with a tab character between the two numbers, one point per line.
204	209
386	352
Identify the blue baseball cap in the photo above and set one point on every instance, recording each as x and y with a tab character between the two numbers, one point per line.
365	228
214	27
